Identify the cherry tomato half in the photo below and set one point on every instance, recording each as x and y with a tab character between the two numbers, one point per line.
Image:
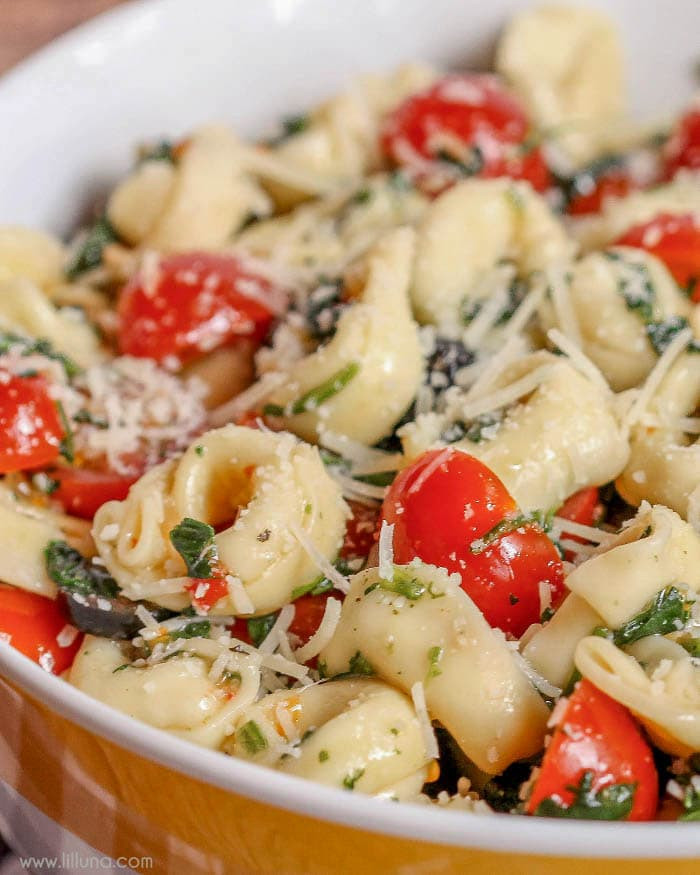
38	627
360	534
463	119
614	183
683	146
82	491
207	591
30	428
596	734
675	240
197	302
442	506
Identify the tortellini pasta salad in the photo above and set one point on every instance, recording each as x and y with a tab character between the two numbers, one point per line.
368	451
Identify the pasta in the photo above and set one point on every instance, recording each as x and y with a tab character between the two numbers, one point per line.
566	64
555	421
498	717
376	341
264	482
368	452
360	732
468	230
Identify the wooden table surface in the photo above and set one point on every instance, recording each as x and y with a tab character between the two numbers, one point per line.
25	25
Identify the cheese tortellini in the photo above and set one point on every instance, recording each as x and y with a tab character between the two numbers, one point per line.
38	257
370	370
664	464
198	202
565	62
421	627
176	694
357	733
558	432
468	230
615	295
656	679
256	488
655	550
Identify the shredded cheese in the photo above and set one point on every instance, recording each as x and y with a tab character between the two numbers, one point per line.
281	624
241	601
426	727
579	360
430	469
508	394
536	679
386	551
675	348
322	636
590	533
323	565
247	400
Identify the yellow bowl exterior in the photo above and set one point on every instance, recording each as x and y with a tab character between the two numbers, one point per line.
125	805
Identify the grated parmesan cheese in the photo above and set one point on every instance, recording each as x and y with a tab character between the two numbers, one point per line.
322	636
323	565
241	601
426	727
578	359
386	551
675	348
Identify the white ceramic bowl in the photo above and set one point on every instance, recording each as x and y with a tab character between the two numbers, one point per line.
69	118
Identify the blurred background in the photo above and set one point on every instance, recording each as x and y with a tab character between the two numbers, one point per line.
25	25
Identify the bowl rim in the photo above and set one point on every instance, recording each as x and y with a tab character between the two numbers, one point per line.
533	836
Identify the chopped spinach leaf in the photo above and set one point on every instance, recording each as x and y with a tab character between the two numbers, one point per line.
313	399
84	416
613	802
197	629
667	612
161	151
540	518
194	541
67	446
90	253
471	165
251	736
259	628
74	573
27	346
661	334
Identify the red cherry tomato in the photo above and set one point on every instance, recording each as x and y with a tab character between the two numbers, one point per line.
461	113
676	241
683	146
360	534
207	591
581	507
597	734
36	626
615	183
442	505
30	428
308	613
82	491
197	302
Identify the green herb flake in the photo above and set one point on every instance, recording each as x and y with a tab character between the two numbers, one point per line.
403	583
160	151
323	756
313	399
434	657
359	665
471	165
661	334
197	629
120	667
89	255
251	736
362	196
540	518
41	346
67	445
259	628
613	802
350	780
199	450
84	416
194	541
71	571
